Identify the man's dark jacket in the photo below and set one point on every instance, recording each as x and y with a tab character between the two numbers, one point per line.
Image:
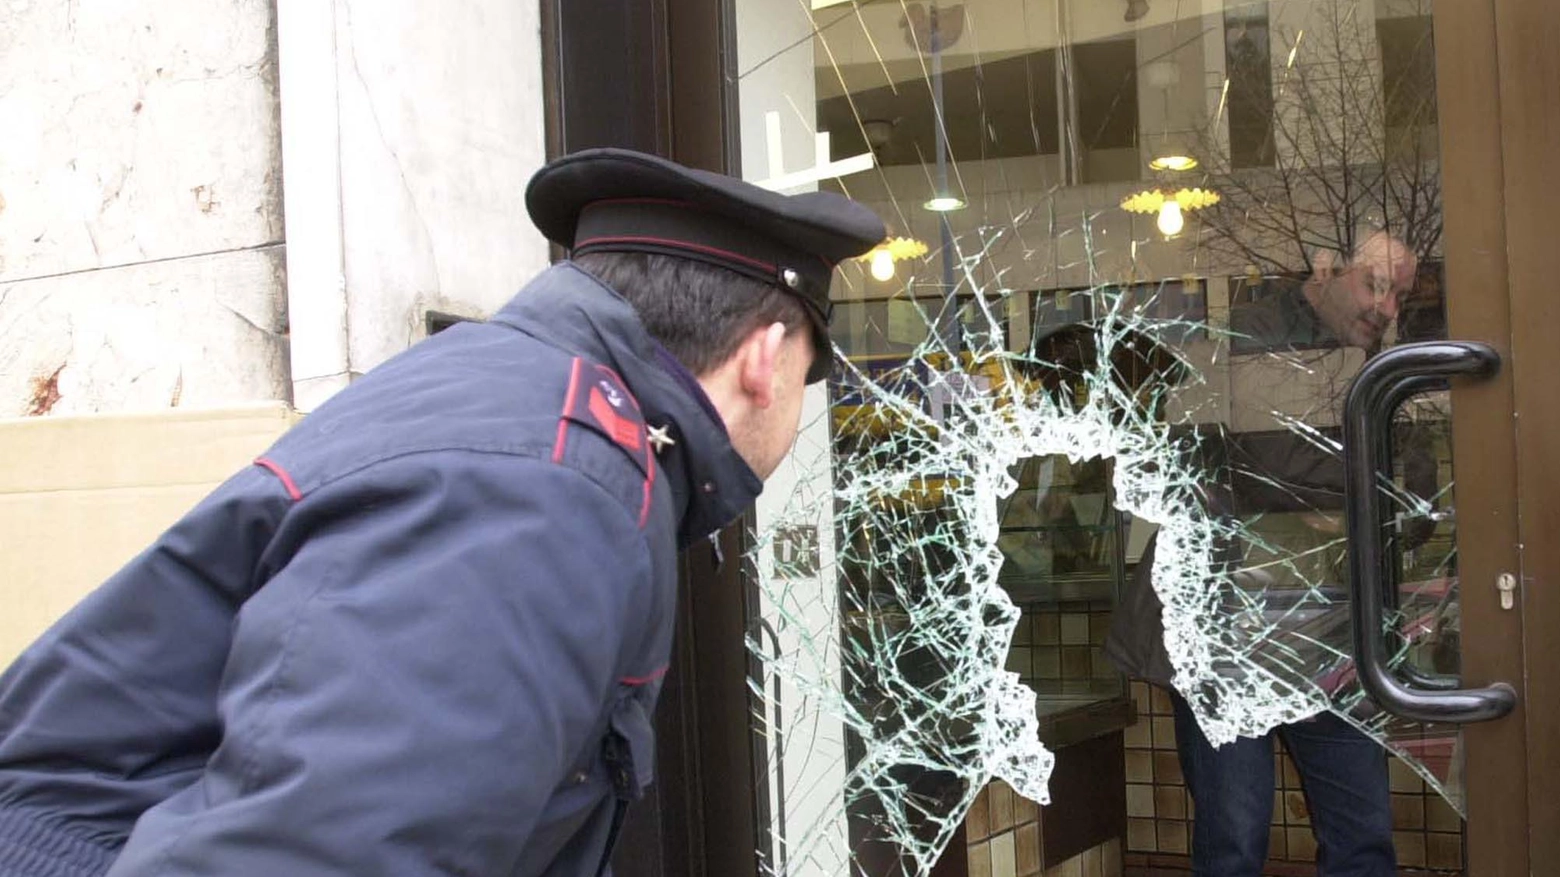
1252	474
424	634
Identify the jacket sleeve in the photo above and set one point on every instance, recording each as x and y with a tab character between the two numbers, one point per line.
406	694
113	709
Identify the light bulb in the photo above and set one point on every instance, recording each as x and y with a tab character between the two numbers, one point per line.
943	204
1173	163
1170	219
882	265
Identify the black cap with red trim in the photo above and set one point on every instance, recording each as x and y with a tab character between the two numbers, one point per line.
606	200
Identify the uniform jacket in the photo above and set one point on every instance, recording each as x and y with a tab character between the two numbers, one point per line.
423	634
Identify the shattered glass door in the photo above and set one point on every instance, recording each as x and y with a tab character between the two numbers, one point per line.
1080	467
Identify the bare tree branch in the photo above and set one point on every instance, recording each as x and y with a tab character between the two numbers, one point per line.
1349	145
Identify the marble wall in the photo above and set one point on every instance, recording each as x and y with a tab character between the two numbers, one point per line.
441	128
144	258
140	206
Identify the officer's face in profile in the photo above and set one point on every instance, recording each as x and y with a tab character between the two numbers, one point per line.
1359	301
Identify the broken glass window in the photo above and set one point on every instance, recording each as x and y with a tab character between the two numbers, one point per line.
1108	387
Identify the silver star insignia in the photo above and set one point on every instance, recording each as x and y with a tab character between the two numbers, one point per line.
659	439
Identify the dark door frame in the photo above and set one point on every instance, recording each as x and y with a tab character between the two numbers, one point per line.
1498	166
1524	32
1478	309
659	76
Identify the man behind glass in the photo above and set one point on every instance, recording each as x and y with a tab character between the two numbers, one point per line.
1344	303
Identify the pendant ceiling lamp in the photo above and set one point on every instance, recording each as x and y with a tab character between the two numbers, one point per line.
1171	205
882	257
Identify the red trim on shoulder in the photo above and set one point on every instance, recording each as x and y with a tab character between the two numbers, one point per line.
568	410
644	508
643	680
279	472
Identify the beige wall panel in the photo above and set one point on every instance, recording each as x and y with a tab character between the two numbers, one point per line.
79	496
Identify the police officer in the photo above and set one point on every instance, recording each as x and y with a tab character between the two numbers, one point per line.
425	633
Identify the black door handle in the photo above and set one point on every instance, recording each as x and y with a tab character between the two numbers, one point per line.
1382	385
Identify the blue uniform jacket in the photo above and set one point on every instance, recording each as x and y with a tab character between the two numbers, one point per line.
424	634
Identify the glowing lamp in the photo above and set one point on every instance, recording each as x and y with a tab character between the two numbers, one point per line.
1173	163
881	258
882	265
1170	206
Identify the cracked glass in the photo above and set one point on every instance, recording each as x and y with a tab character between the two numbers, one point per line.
1084	427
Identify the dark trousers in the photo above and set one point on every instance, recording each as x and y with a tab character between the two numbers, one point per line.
1344	775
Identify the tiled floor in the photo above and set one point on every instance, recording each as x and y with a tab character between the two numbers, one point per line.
1003	831
1159	811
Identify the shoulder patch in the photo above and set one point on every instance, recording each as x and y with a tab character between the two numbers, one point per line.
615	411
597	399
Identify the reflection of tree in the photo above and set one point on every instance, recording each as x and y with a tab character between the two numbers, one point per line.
1338	136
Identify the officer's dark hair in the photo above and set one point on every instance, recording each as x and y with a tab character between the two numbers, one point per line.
699	312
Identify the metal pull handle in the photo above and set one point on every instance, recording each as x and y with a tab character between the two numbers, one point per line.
1380	387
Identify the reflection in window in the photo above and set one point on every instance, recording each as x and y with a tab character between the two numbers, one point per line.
1248	60
1407	71
1176	309
1105	103
1000	109
1049	411
1054	308
902	324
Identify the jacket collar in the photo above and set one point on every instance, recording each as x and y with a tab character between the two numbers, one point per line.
569	308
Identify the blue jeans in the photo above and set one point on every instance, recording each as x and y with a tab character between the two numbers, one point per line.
1344	775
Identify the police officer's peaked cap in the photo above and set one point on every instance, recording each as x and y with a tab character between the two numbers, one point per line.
615	200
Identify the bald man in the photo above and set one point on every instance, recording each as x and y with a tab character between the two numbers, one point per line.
1347	302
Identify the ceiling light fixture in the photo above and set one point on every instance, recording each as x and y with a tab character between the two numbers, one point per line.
943	204
1136	9
882	265
882	257
1173	163
1171	206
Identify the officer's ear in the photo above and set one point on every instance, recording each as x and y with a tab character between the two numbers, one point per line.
759	360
